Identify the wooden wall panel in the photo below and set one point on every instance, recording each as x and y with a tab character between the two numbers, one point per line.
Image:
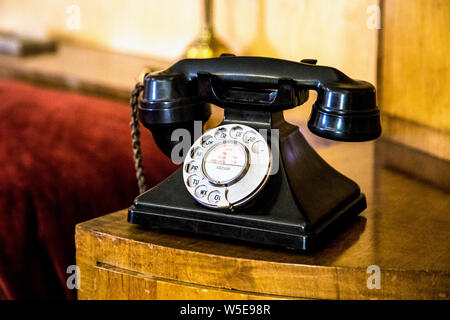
414	74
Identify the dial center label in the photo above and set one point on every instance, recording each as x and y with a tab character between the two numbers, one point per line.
225	162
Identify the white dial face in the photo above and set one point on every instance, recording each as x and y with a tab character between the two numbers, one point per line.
227	166
225	162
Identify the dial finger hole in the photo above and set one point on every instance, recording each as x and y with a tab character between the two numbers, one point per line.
236	132
196	153
191	167
221	133
207	141
214	197
249	137
259	146
201	192
193	181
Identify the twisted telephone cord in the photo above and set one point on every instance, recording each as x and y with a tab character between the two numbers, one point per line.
135	137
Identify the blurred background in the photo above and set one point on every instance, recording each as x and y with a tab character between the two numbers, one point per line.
74	62
335	32
407	53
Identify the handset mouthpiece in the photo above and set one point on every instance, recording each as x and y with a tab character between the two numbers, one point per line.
346	112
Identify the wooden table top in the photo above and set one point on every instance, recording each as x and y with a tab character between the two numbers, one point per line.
405	231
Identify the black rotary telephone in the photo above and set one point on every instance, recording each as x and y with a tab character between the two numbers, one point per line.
254	177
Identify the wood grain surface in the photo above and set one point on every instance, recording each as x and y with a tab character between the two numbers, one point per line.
404	231
414	74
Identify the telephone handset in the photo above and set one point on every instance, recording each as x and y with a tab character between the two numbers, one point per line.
254	177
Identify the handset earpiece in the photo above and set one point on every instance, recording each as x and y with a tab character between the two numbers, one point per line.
170	101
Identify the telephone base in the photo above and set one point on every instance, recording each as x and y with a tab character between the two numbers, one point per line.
304	203
274	219
266	235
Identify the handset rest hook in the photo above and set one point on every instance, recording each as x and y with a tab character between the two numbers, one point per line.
284	95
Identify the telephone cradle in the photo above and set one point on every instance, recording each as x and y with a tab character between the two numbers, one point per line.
254	178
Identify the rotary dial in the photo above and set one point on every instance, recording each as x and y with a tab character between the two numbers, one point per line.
227	166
